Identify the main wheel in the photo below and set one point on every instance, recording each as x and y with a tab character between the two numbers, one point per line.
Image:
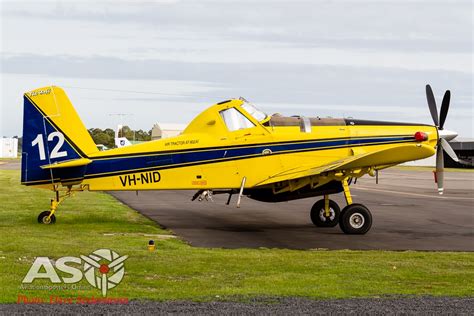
355	219
43	218
318	214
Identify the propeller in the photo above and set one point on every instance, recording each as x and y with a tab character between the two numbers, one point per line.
444	135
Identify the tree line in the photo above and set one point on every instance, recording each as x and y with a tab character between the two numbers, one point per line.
107	136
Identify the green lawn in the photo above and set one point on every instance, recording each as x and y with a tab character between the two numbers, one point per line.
177	271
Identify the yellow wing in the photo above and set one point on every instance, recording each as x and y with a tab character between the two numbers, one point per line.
384	157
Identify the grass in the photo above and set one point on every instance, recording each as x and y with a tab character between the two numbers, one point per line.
178	271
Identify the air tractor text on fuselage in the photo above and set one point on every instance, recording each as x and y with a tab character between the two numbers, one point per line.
140	178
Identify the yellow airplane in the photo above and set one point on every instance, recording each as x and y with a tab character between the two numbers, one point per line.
232	147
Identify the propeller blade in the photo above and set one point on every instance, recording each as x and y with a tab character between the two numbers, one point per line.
440	168
465	162
444	108
448	149
432	104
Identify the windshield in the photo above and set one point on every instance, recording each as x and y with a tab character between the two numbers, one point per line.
234	120
252	110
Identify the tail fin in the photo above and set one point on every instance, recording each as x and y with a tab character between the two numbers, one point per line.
53	133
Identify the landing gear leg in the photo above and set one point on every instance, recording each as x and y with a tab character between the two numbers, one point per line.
325	213
347	192
355	218
48	217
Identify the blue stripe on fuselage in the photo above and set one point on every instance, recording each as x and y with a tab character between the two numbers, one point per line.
114	166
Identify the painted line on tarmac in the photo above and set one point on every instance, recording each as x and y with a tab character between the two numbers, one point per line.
414	194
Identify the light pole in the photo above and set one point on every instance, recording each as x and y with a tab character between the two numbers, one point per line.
121	116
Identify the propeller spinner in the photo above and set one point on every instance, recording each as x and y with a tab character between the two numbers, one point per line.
444	135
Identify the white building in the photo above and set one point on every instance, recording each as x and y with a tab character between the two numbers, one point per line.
427	162
8	147
166	130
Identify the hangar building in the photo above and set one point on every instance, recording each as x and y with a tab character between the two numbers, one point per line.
165	130
464	149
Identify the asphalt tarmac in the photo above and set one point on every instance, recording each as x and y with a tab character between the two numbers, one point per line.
13	164
260	306
408	214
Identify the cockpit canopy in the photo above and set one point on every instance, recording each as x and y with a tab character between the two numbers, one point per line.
252	110
235	120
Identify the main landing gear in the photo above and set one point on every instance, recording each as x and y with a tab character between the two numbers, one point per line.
353	219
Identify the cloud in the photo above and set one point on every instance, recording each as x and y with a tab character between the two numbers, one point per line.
359	58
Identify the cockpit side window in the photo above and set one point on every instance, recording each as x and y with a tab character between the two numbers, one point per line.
234	120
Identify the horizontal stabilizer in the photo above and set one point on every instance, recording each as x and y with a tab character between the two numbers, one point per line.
68	164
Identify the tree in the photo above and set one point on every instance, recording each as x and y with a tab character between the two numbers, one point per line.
106	137
102	137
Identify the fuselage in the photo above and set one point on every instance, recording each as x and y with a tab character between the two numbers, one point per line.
211	154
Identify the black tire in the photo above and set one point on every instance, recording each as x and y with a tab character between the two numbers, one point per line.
43	218
318	214
355	219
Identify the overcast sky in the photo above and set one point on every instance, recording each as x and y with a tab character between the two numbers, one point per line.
165	61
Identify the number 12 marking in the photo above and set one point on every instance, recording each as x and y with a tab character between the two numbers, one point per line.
55	153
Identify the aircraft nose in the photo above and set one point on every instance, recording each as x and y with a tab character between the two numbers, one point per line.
447	135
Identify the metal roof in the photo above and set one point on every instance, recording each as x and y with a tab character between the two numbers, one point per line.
462	144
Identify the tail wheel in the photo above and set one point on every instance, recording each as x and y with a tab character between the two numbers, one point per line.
318	214
355	219
43	218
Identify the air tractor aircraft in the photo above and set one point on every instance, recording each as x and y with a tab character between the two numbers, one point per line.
233	148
